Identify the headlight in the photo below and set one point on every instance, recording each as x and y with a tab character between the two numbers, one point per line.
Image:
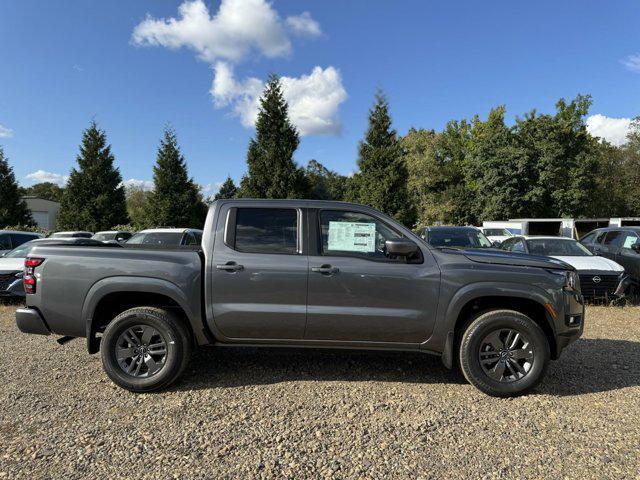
572	281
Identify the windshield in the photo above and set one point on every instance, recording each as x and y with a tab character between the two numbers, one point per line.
497	232
459	238
556	247
168	239
103	237
20	252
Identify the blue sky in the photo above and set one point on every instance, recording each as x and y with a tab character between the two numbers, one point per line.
127	65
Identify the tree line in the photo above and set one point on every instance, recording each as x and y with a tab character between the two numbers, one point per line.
544	165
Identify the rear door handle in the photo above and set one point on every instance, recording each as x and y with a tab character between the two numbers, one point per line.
325	269
230	267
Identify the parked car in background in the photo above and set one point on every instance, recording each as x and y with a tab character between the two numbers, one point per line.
496	235
74	234
166	237
620	244
600	278
12	263
119	236
306	273
10	239
455	237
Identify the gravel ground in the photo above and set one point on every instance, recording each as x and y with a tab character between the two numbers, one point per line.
317	414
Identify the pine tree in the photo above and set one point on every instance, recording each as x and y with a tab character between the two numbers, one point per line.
93	198
176	199
227	190
13	210
382	180
272	173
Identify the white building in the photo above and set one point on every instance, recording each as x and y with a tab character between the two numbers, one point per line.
43	211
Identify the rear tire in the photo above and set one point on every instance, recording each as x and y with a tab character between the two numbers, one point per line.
504	353
145	349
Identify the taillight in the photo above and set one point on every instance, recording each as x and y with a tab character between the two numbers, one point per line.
29	279
29	284
33	262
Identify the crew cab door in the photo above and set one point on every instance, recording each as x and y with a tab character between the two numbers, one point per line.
611	244
627	256
356	292
259	273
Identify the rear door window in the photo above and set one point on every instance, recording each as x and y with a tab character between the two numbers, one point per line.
18	239
5	241
518	246
613	239
266	230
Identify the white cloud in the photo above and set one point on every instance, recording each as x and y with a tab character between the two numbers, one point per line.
243	96
210	189
313	99
5	132
632	62
228	36
40	176
238	27
613	130
136	183
303	25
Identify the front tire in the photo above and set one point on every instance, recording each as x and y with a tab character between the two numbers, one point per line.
145	349
504	353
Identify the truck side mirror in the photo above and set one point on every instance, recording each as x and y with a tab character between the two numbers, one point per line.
636	247
401	247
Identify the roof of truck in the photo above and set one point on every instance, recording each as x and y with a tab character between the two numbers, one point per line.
169	230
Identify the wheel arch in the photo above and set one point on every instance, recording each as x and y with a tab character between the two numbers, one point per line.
474	300
113	295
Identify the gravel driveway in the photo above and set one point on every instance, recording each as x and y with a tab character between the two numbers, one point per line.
318	414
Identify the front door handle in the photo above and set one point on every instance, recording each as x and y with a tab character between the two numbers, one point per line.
325	269
230	267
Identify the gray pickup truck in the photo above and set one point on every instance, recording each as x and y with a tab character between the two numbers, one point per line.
304	273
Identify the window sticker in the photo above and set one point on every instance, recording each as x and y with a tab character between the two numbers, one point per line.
630	240
352	236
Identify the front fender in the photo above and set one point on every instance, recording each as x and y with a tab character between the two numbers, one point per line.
443	337
493	289
120	284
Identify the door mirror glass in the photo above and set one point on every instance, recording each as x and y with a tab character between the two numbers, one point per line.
401	247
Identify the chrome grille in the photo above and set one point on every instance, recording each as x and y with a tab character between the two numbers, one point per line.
592	288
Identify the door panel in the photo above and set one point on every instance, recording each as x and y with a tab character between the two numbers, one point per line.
259	295
372	301
629	258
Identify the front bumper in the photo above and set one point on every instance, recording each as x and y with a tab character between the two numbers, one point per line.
623	286
29	320
569	321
